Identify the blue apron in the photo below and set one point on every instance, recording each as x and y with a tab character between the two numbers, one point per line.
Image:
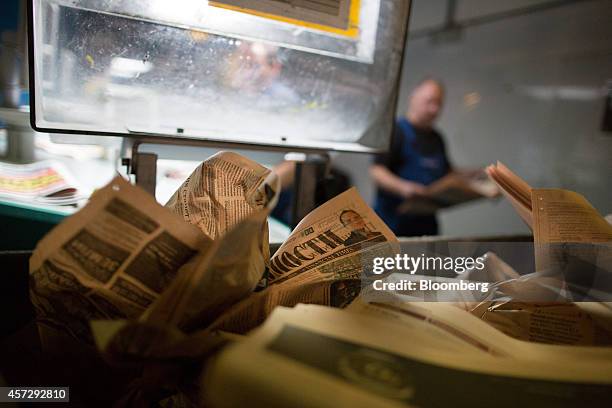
417	167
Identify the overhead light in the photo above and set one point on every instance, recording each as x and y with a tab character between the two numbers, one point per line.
562	92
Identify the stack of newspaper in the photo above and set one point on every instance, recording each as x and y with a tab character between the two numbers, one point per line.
397	355
169	286
45	182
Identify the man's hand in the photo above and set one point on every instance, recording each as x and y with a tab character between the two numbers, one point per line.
410	189
471	173
390	182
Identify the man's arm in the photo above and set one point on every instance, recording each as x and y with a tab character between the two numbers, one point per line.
391	183
286	172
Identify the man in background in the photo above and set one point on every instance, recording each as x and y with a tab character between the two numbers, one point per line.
417	157
329	186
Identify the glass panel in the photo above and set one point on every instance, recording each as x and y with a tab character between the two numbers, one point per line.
187	69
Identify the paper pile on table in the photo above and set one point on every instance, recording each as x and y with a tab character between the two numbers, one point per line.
45	182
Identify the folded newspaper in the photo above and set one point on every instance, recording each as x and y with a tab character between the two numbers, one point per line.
554	215
125	256
573	254
400	355
337	240
45	182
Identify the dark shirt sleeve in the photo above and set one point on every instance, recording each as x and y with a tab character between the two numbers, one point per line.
392	158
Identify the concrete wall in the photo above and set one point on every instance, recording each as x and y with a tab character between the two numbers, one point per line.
527	91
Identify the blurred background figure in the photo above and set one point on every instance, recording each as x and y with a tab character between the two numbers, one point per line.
255	70
254	67
329	185
417	158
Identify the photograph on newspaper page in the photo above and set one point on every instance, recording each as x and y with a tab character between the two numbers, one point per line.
337	240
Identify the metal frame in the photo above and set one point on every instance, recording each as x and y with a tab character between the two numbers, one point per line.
179	140
308	173
144	165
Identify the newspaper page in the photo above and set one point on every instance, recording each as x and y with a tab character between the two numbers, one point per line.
568	230
565	216
241	194
560	323
221	192
540	308
353	359
514	188
485	334
110	260
215	280
252	311
337	240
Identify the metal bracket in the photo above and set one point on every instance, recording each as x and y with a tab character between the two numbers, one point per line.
310	169
19	136
142	165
